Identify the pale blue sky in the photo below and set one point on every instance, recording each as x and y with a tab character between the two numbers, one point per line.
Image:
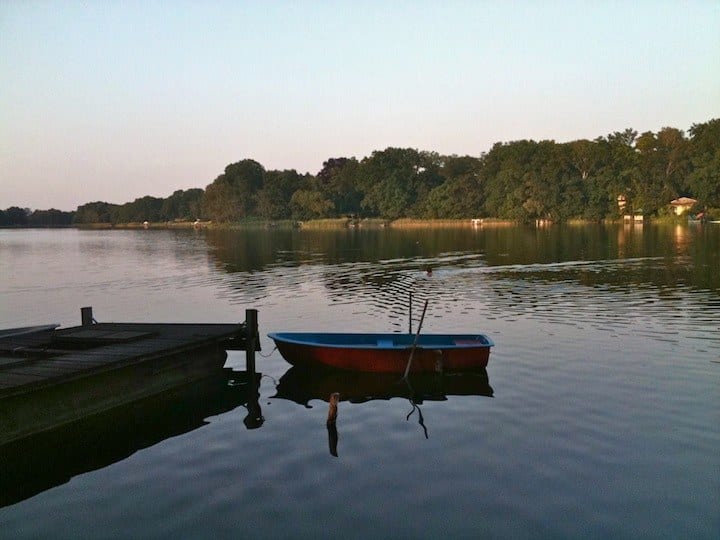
110	100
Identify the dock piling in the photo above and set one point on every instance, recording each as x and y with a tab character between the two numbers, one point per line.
86	316
251	339
254	418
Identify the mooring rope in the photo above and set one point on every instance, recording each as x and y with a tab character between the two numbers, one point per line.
274	382
268	354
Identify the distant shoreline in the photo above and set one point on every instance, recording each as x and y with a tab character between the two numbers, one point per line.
315	224
328	224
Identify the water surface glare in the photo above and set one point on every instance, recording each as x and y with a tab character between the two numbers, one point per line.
598	416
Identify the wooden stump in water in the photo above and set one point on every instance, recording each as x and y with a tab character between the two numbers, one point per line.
331	427
333	410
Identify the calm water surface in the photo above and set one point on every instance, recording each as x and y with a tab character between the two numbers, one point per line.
599	416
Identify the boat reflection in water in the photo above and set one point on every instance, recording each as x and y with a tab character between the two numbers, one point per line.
39	462
302	385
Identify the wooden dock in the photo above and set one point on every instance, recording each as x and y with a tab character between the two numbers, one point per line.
53	376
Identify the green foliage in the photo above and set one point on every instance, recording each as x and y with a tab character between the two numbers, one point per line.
182	205
454	199
309	204
272	201
50	218
396	181
339	183
461	192
233	194
95	212
143	209
703	180
15	217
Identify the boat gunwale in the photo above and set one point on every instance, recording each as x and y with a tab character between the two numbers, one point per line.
291	337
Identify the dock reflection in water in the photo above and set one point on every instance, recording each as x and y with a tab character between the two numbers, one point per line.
302	385
40	462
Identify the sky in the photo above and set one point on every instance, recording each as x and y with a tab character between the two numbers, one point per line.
104	100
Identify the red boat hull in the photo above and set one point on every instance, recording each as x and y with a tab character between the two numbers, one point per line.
386	360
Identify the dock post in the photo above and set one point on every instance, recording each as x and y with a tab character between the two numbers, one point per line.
86	316
251	339
254	418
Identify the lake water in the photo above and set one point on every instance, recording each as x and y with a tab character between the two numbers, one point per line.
599	416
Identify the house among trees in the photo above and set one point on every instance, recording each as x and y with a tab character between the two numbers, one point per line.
638	216
682	205
621	202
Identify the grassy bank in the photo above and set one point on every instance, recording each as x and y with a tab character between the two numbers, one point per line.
146	225
406	223
313	224
318	224
368	223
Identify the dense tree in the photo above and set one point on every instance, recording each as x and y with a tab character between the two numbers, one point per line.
662	159
50	218
232	196
618	170
16	217
273	200
703	180
515	187
461	193
339	183
584	156
396	181
182	205
95	212
218	202
309	204
143	209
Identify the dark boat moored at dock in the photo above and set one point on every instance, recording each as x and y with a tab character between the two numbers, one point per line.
50	376
385	353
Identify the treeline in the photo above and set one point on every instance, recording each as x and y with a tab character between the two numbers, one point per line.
181	205
521	180
24	217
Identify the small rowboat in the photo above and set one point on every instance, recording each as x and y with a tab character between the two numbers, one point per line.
384	353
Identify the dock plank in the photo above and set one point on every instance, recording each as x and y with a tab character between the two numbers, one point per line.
67	353
14	379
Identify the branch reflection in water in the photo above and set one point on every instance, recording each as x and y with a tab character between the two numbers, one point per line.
415	407
302	385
